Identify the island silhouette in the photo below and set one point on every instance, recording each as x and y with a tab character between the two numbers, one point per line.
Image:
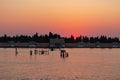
56	40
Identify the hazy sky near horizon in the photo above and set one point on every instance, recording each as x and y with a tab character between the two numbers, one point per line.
66	17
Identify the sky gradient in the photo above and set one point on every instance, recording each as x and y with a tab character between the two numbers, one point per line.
66	17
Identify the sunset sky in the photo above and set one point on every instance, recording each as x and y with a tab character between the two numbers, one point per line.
65	17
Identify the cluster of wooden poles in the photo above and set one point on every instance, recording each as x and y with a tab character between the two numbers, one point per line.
63	52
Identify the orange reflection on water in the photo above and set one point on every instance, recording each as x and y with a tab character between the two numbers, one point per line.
86	64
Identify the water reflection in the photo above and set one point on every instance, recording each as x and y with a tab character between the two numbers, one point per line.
52	49
82	64
31	52
16	52
44	52
35	51
40	52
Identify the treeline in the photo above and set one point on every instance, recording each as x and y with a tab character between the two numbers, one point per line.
45	38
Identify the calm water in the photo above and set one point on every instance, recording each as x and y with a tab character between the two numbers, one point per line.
82	64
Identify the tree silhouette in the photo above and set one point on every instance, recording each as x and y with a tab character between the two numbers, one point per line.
45	38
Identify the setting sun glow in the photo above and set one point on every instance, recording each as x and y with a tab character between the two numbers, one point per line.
66	17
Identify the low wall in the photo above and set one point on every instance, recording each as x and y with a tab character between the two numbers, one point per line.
23	45
67	45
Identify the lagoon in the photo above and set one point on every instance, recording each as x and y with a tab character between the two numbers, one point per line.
82	64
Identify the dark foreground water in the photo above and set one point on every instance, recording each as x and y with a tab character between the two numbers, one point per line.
82	64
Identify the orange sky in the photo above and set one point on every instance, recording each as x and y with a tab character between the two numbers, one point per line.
66	17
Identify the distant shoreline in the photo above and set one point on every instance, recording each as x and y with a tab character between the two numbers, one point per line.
66	45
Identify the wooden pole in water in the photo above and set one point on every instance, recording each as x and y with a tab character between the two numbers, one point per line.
30	52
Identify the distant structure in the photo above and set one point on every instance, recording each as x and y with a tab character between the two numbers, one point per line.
32	45
97	45
57	43
115	45
80	45
11	43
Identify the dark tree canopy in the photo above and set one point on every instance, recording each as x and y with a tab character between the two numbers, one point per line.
45	38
